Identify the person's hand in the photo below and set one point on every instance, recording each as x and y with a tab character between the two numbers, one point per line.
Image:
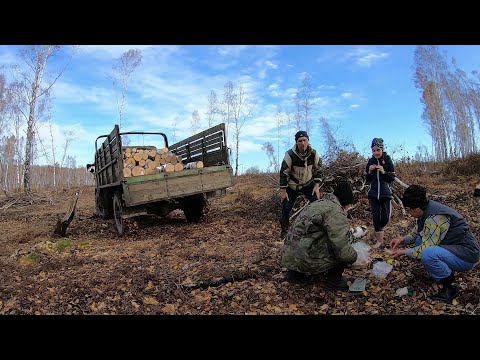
372	167
283	194
381	169
396	242
398	252
316	190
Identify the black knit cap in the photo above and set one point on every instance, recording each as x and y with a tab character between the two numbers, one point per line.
300	134
415	196
378	142
344	193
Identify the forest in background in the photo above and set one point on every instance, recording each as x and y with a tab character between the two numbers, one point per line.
450	98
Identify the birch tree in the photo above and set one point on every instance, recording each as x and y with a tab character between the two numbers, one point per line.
6	160
212	108
241	111
451	103
279	120
123	68
31	86
227	104
195	122
298	111
175	123
270	151
306	102
17	120
430	74
5	103
289	124
330	140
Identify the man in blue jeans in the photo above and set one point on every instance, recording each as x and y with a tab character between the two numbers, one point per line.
443	241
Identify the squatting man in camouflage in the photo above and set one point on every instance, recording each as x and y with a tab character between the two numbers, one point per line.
319	240
300	172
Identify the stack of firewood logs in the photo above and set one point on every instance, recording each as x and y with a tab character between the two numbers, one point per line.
138	161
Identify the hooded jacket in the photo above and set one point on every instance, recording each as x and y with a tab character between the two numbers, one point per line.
319	239
380	184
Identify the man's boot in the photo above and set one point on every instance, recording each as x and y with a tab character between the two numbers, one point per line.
379	239
284	223
335	280
449	291
296	277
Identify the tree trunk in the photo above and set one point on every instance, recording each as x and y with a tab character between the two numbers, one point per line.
28	150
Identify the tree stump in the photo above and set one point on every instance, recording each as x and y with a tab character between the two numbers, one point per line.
62	224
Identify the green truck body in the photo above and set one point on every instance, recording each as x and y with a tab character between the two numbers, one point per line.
122	197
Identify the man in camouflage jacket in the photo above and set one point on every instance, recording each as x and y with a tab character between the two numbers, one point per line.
319	240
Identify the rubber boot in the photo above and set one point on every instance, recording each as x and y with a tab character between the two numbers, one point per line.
284	224
379	239
449	291
335	280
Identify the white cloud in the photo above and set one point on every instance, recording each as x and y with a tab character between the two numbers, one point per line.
75	94
260	126
346	95
271	64
8	57
114	51
262	74
231	50
354	106
326	87
322	101
246	146
364	57
371	58
273	90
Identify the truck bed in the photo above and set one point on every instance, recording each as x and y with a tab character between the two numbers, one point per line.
150	188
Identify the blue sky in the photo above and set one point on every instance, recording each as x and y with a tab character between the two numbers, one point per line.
363	91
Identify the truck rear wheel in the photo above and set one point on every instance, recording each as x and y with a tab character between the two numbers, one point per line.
194	207
103	204
117	212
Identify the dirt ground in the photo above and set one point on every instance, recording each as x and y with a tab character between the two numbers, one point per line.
229	264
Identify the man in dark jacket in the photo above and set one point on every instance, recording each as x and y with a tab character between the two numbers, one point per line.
442	238
320	239
300	173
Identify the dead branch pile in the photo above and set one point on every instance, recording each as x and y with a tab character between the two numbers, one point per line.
24	199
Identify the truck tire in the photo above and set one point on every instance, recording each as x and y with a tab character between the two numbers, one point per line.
103	204
194	207
117	213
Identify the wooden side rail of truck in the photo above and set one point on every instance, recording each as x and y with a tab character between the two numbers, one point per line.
120	195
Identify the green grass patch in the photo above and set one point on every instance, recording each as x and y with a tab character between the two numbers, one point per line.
86	244
30	259
61	245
